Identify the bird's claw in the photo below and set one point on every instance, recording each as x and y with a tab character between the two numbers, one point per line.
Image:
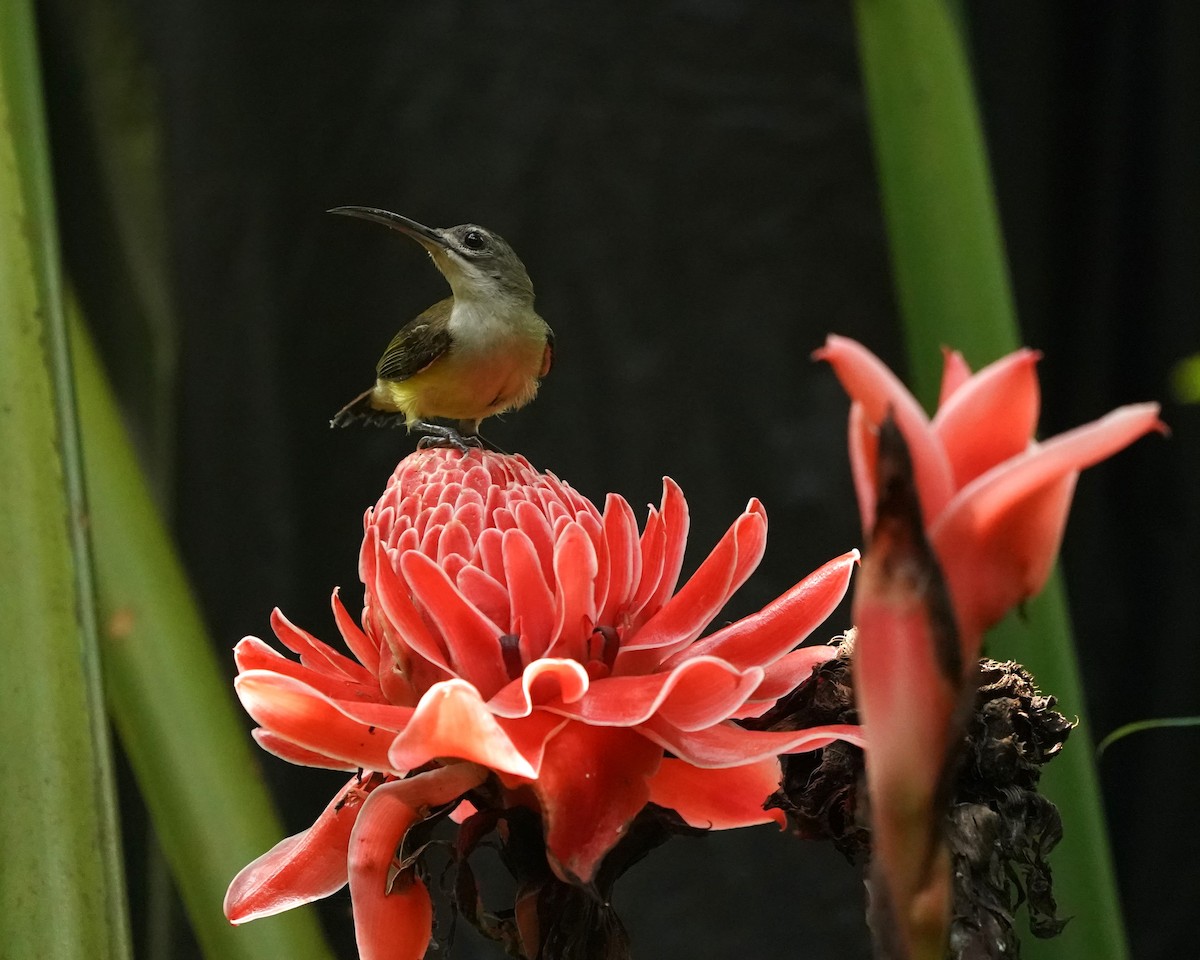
437	435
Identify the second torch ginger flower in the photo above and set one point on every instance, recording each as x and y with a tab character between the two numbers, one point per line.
513	633
964	514
994	500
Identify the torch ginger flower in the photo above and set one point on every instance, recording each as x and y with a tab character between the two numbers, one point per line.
994	500
513	631
965	514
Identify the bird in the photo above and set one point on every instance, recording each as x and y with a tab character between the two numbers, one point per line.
481	351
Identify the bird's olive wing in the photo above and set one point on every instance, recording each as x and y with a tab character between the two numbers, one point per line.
417	345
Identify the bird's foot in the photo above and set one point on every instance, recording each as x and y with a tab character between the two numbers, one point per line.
437	435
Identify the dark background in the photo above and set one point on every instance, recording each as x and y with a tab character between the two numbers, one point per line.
691	187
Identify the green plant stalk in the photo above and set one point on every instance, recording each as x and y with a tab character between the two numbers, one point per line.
62	892
953	288
947	250
188	745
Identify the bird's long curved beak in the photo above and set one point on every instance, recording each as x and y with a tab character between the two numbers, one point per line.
426	236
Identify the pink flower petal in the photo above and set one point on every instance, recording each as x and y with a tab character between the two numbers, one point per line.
252	654
409	634
531	602
687	613
393	917
993	567
309	719
488	596
998	538
284	749
362	646
718	799
991	418
533	523
653	550
454	541
913	690
697	693
529	736
764	637
313	653
574	572
675	520
541	682
786	674
728	745
863	442
453	721
868	381
955	373
473	640
300	869
624	557
592	783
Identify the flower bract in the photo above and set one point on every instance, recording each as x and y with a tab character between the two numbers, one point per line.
520	646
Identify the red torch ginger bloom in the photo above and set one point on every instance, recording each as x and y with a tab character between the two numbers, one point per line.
513	629
994	500
965	514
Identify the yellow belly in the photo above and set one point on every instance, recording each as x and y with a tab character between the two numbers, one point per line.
464	386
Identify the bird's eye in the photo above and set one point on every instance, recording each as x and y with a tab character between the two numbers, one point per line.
473	240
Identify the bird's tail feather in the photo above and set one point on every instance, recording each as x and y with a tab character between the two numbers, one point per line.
359	410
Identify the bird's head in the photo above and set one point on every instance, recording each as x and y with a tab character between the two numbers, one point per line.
477	263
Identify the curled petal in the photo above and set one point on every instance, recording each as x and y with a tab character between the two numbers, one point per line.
529	736
309	719
787	673
541	682
868	381
284	749
300	869
453	721
997	539
393	918
728	745
718	799
992	417
697	693
592	783
780	626
955	373
675	520
687	613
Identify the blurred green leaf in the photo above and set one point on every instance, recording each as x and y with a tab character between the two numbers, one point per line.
1185	379
62	892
